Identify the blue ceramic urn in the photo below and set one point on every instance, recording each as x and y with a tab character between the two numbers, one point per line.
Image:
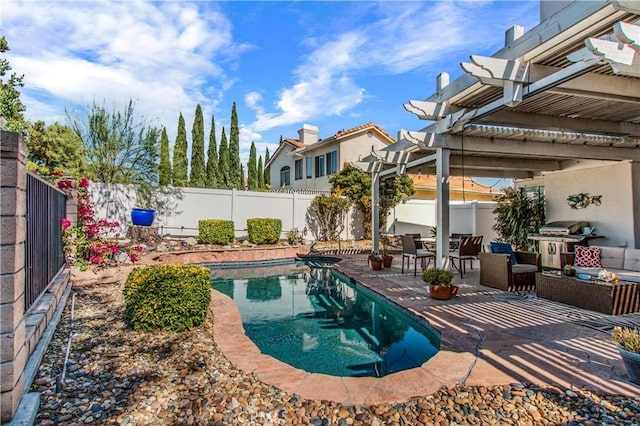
142	217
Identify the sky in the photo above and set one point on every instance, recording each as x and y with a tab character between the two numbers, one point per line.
334	64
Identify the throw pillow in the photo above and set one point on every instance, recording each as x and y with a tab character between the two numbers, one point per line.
587	257
504	248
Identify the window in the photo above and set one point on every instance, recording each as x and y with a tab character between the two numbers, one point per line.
285	176
332	162
298	167
309	167
320	165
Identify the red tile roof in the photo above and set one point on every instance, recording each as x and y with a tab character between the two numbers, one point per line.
455	184
342	133
294	142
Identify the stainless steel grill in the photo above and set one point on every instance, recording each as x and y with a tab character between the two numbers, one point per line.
560	237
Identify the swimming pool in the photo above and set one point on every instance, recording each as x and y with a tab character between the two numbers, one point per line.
313	318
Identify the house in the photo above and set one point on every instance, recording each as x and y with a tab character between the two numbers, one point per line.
460	189
307	162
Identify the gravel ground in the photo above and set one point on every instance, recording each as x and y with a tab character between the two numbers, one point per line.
116	376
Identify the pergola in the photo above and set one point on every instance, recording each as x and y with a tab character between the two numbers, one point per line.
568	89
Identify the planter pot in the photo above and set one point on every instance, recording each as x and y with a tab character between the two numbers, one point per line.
143	217
632	364
569	273
376	265
386	261
442	292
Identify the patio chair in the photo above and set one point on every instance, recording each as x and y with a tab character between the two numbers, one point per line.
416	239
410	251
498	270
468	249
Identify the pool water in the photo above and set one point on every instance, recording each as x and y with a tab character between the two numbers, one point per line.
313	318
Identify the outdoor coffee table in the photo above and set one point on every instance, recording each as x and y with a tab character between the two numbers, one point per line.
613	298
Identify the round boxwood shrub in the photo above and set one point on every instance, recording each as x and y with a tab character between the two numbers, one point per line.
169	297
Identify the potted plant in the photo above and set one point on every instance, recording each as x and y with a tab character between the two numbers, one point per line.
439	281
387	259
375	260
568	271
627	341
293	237
143	214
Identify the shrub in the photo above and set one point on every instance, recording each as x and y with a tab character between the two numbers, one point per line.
169	297
215	231
437	276
627	338
264	230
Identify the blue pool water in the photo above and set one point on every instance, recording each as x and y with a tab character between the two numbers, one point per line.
313	318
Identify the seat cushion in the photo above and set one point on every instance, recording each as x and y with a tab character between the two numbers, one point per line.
504	248
588	257
521	268
632	260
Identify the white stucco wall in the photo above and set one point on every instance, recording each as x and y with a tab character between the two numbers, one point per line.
617	215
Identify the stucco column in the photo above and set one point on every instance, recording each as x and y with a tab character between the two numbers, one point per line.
13	184
442	207
375	211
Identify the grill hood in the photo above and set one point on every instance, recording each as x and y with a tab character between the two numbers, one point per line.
563	227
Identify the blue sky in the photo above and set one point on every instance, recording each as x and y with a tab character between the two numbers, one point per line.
336	64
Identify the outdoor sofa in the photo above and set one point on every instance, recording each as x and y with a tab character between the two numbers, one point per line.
623	261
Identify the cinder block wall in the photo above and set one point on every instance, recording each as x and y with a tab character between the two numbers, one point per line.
14	354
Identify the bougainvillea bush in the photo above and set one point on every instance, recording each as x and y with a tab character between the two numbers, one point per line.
91	241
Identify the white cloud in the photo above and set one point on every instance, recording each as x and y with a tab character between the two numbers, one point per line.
160	54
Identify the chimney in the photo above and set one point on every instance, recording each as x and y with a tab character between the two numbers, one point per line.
308	134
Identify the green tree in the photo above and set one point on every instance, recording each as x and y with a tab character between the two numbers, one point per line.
267	170
212	158
11	107
224	179
164	170
235	167
392	191
119	147
260	174
54	148
252	168
518	214
355	184
197	177
179	173
330	211
242	178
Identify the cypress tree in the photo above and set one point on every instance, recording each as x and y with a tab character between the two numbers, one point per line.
223	164
267	171
243	186
260	174
197	176
212	158
252	169
164	170
179	174
235	167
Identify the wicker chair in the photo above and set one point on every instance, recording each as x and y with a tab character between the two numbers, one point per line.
497	271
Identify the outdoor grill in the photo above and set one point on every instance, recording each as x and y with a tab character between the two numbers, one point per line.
560	237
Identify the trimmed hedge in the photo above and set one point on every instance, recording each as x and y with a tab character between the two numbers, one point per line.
169	297
215	231
264	230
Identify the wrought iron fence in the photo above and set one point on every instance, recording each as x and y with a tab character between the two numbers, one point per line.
44	257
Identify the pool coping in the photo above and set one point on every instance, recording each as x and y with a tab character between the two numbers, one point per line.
446	368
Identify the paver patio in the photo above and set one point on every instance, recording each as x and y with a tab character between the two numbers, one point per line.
489	337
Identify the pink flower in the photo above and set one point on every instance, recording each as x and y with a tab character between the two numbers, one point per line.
84	183
115	250
66	224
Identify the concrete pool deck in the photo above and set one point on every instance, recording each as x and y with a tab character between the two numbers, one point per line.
489	337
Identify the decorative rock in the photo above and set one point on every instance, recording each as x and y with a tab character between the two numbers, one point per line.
191	242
